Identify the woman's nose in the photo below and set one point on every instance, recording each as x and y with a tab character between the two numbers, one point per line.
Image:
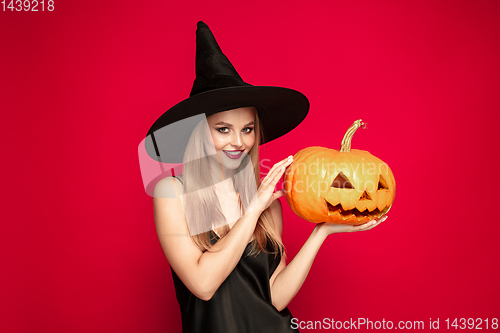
236	140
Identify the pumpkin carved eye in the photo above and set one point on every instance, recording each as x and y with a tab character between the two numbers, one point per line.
382	183
341	181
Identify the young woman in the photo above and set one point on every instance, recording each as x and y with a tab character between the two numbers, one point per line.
221	238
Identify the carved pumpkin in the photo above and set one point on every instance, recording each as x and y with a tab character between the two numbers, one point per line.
349	186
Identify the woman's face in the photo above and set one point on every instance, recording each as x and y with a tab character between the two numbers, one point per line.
232	134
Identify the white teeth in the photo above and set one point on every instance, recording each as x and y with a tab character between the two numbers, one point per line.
232	152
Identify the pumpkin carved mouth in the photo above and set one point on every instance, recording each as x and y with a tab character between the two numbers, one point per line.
345	214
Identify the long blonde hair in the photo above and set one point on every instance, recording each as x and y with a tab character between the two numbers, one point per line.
202	204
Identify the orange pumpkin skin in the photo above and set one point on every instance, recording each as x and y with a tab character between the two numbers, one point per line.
343	187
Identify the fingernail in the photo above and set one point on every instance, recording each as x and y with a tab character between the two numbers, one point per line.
374	222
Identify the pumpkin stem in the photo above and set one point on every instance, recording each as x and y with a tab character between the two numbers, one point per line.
346	141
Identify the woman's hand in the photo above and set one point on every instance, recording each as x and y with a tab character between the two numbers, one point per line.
331	228
265	194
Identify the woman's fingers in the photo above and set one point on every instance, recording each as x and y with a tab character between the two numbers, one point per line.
279	167
278	194
331	228
265	193
277	171
371	224
276	166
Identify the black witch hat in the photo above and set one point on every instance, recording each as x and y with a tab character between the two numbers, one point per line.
218	87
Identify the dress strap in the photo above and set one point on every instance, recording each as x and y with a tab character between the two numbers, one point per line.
179	179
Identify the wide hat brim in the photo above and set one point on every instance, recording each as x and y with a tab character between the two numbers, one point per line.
280	110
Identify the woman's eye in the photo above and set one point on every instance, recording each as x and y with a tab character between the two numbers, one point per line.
248	129
223	129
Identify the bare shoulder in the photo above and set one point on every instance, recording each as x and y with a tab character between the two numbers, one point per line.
168	208
168	187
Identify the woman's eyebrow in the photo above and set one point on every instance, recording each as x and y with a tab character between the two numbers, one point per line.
230	125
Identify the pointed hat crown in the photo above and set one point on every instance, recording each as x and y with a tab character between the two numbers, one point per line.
216	88
213	68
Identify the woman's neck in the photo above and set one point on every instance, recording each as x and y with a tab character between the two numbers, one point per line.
221	176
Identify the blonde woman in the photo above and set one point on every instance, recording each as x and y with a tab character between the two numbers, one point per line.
219	226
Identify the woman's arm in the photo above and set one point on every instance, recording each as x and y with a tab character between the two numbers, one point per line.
204	272
201	272
288	279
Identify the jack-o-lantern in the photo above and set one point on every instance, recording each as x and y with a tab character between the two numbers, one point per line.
349	186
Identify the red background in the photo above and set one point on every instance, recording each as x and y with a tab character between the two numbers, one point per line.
81	85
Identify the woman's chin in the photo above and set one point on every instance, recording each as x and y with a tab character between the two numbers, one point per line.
231	164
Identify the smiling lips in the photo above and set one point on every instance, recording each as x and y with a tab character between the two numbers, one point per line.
234	154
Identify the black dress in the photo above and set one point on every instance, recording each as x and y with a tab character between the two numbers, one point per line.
242	304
